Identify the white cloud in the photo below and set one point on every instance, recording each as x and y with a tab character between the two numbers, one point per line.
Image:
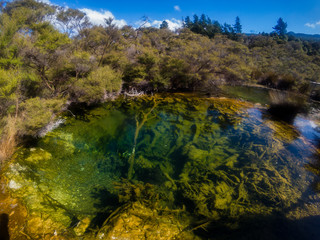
156	23
312	25
173	24
177	8
141	23
45	1
97	17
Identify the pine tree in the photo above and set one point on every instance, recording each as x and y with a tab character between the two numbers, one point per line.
164	25
187	22
203	20
196	26
237	26
281	27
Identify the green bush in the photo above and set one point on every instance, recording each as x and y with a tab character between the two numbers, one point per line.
9	84
37	113
97	85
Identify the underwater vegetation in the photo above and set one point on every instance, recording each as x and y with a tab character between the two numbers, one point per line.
166	166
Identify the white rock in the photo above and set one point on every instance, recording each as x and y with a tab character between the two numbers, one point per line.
14	185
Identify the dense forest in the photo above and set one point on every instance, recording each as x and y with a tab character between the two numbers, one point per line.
52	56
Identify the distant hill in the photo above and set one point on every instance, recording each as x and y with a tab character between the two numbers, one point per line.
308	37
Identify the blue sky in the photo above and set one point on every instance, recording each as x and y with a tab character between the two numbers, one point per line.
255	16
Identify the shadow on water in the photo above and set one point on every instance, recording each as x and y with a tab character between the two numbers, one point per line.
285	111
106	202
4	230
275	227
80	111
285	106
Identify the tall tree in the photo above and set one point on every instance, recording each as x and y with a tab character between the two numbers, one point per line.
187	22
228	29
164	25
281	27
112	37
203	21
45	51
196	27
237	26
72	21
32	11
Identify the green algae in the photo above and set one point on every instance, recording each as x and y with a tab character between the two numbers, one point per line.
211	158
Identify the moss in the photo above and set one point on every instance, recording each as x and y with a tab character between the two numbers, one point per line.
38	154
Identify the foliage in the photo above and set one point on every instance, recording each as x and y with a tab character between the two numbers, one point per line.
31	11
9	85
72	21
237	26
48	51
37	113
281	27
98	84
203	25
164	25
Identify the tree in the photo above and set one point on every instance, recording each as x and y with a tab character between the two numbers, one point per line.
281	27
237	26
113	36
144	22
196	27
72	21
45	50
97	85
203	21
164	25
228	29
203	25
32	11
187	22
9	90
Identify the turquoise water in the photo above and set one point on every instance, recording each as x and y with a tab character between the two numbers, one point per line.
221	160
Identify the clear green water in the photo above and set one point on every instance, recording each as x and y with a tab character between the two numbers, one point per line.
221	160
255	95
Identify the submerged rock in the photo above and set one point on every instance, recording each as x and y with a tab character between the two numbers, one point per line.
136	221
82	226
13	185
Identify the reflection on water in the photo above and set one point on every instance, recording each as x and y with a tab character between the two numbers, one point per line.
219	164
